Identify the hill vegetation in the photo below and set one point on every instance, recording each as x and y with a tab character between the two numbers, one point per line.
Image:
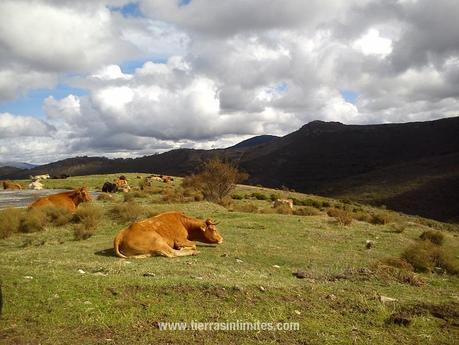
409	167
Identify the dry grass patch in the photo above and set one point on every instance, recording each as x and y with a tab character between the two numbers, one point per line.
10	222
436	237
306	211
427	257
342	217
127	212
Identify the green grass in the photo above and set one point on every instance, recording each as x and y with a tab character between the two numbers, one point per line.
114	301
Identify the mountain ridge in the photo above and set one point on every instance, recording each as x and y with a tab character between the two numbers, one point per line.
327	158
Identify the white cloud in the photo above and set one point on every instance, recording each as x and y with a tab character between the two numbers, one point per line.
372	43
12	126
244	68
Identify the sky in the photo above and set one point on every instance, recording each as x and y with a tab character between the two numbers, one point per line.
122	78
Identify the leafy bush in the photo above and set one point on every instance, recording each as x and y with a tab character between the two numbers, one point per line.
306	211
259	196
216	180
237	197
10	222
425	256
127	211
436	237
342	217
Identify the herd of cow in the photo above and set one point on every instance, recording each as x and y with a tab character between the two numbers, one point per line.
168	234
35	184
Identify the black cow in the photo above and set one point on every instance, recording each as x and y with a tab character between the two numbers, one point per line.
109	187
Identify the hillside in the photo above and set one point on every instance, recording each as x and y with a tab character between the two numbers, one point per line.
390	164
276	267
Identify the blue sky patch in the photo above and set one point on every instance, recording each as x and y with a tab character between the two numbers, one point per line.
129	67
184	2
129	10
349	96
31	104
282	87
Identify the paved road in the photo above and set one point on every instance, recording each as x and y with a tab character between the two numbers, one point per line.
22	198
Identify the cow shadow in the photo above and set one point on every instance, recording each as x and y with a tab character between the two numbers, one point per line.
105	252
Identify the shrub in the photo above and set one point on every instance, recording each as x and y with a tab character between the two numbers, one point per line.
216	180
362	216
172	195
128	197
399	227
306	211
246	207
283	209
401	275
276	196
104	197
326	204
425	256
34	221
259	196
89	216
436	237
398	263
381	218
127	211
10	222
56	216
237	196
342	217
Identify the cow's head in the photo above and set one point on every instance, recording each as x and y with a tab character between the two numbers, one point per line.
82	195
208	233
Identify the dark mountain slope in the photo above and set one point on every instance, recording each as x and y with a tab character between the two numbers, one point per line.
411	167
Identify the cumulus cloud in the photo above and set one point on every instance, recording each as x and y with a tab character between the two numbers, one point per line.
12	126
242	69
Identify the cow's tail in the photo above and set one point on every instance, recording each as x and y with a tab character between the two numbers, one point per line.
117	242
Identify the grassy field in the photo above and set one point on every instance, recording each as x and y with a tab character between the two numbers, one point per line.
58	290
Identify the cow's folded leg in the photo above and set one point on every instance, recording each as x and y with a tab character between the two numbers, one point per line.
184	244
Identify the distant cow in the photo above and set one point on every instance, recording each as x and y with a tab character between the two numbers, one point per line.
279	202
167	179
168	234
69	200
61	176
36	185
11	185
40	177
109	187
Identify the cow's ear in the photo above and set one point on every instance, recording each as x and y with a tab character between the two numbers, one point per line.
203	228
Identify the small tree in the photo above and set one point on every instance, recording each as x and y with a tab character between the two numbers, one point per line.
216	180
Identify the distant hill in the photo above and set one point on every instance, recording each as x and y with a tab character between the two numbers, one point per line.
261	139
411	167
19	165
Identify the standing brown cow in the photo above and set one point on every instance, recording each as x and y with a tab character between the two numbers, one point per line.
11	185
168	234
69	200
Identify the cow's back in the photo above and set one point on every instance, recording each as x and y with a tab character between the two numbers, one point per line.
59	200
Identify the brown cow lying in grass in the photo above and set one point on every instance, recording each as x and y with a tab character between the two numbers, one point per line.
11	185
69	200
168	234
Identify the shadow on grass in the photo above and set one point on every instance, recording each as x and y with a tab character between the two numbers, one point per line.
106	252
